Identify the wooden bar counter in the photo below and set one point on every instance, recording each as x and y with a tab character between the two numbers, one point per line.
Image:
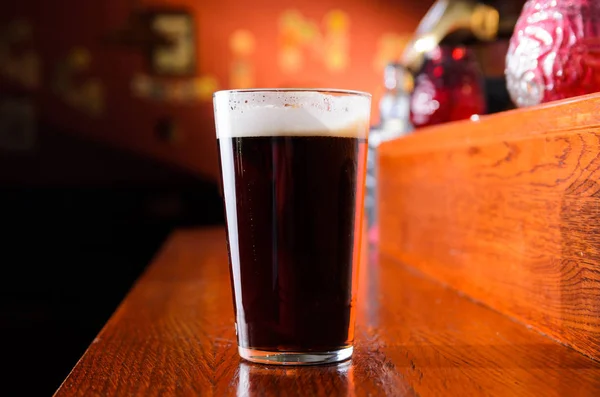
487	282
173	336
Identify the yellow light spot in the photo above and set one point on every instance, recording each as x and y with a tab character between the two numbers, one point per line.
79	58
241	75
242	42
336	60
337	20
205	86
141	85
291	59
309	31
291	18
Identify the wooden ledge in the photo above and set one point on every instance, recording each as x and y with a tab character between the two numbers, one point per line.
505	209
174	335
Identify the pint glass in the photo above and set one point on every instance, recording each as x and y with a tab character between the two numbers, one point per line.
293	167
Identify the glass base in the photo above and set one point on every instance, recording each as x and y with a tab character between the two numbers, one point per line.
295	358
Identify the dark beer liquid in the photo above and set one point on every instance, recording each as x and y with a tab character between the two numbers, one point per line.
293	217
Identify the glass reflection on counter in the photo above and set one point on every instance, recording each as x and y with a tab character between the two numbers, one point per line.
253	379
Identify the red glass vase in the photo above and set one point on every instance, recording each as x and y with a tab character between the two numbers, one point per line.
554	52
449	87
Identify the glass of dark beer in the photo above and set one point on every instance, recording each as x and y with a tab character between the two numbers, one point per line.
293	165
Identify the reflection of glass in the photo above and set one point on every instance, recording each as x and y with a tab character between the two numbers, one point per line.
255	380
449	87
293	167
555	51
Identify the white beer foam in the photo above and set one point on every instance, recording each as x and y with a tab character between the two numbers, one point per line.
291	113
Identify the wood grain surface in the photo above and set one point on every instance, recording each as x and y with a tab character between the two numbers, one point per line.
506	209
173	336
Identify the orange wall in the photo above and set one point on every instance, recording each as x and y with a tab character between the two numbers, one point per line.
58	26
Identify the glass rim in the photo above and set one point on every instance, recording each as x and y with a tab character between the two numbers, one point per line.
334	91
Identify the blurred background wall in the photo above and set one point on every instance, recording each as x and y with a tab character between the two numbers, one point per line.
262	43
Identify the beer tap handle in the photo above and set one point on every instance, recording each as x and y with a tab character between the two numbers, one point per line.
446	17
